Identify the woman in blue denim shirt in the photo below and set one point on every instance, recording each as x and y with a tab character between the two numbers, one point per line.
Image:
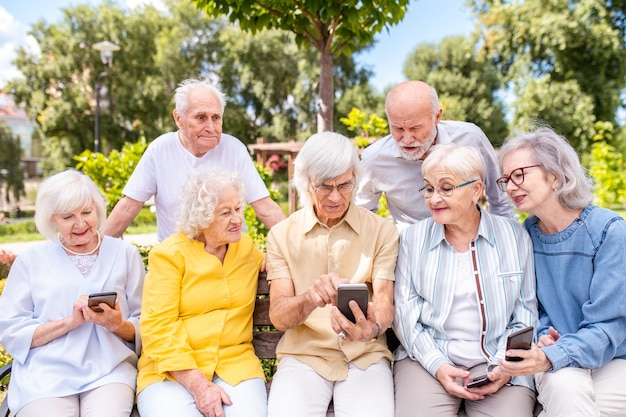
580	263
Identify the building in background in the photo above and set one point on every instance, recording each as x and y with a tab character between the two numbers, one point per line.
17	120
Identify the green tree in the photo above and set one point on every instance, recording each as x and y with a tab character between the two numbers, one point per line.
569	41
559	104
467	84
158	50
331	28
11	172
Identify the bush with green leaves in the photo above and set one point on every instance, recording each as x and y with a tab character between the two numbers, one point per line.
110	173
606	166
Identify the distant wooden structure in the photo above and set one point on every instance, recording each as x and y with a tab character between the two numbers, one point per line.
262	151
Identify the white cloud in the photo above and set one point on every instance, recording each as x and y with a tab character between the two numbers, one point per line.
13	35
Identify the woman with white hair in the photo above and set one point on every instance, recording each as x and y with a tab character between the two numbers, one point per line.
196	320
580	358
69	360
465	280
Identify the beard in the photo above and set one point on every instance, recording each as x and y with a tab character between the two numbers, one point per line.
419	148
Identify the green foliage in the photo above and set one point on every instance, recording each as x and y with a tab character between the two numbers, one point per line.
111	173
467	84
11	172
607	168
158	50
17	228
332	29
562	105
367	128
256	229
580	42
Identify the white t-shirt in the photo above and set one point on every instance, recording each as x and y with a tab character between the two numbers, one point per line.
165	165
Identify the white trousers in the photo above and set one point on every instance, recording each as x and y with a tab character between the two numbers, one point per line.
170	398
110	400
576	392
297	390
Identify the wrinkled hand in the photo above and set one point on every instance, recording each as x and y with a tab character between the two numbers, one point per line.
498	380
324	290
78	317
110	319
533	361
448	376
210	400
365	327
549	339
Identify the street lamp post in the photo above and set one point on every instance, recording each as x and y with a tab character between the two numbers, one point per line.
106	49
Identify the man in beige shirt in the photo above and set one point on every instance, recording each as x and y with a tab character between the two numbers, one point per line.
323	355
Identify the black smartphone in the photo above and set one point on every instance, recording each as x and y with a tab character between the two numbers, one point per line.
479	381
102	297
357	292
521	339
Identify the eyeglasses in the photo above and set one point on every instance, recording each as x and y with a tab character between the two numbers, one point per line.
325	189
445	190
516	177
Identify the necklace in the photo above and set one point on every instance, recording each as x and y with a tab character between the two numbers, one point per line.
77	253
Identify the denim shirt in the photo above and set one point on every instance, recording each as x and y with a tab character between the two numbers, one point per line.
581	284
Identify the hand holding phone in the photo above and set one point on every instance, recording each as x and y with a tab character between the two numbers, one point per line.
522	339
95	299
357	292
479	381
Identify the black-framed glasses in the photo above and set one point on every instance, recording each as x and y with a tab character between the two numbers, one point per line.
516	177
445	190
325	189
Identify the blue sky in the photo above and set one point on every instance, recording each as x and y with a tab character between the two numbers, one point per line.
426	21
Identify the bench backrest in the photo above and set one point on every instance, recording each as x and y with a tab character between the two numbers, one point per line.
265	337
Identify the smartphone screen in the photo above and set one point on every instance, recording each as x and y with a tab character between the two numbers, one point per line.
357	292
101	297
521	339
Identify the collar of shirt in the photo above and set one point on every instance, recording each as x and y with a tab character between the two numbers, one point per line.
351	219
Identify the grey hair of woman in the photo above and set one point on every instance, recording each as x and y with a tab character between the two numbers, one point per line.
555	156
181	96
199	197
323	157
464	161
65	192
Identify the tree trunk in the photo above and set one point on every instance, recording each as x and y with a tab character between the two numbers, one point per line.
326	92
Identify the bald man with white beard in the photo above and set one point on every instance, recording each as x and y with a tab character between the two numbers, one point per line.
393	164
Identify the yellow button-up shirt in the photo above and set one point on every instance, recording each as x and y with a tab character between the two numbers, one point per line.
362	247
197	312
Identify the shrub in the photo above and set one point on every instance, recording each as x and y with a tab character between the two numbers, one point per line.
6	260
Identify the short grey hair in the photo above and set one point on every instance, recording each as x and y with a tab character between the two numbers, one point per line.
324	156
181	96
553	153
464	161
64	192
199	197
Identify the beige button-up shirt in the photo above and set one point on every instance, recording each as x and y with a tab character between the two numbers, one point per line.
362	247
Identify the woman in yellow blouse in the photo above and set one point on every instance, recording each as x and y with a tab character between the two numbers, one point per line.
196	316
